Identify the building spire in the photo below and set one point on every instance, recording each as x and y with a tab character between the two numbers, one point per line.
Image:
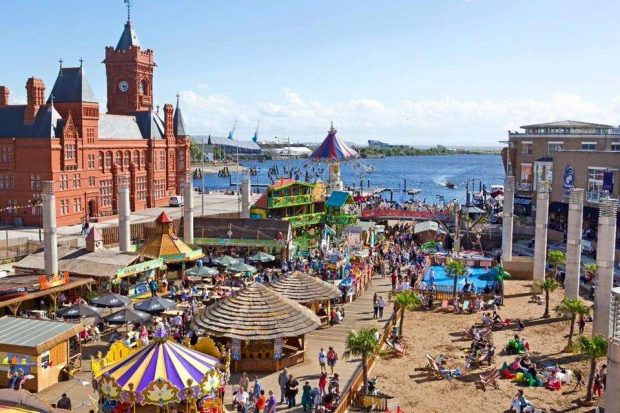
60	61
128	3
81	62
178	96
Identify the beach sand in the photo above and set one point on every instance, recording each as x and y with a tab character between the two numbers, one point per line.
435	332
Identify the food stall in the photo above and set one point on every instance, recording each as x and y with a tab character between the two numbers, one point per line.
41	349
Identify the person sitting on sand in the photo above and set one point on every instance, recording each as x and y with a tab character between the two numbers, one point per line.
520	404
520	325
447	373
486	320
536	299
497	319
516	366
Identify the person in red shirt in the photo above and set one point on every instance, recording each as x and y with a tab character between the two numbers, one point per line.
394	280
259	406
323	384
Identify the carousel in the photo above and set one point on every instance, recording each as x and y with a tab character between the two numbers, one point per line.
264	330
164	374
310	291
333	151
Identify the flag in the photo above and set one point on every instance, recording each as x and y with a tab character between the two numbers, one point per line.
230	135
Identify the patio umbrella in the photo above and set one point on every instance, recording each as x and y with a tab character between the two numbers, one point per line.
242	267
127	315
79	311
111	300
154	305
262	257
202	272
226	261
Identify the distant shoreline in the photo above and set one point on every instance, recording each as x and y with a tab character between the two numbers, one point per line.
367	153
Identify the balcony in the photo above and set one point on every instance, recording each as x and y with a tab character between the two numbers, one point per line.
525	186
596	196
341	219
305	220
286	201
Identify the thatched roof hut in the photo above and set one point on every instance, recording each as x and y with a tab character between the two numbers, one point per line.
256	313
165	244
304	288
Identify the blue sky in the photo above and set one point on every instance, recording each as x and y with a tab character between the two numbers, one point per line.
407	71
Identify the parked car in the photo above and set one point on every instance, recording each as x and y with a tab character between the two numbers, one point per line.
176	201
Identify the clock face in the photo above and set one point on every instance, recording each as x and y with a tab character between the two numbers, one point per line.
123	86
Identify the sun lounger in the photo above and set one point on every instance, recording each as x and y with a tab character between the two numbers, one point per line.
489	378
433	368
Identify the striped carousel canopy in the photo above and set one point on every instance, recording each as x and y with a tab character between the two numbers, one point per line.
159	374
333	149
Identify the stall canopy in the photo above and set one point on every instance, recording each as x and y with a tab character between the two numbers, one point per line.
159	374
256	313
427	226
332	149
242	232
304	288
31	336
166	245
339	199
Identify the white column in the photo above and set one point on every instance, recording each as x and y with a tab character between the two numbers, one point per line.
246	190
605	250
50	235
573	244
188	210
540	236
612	392
508	218
124	214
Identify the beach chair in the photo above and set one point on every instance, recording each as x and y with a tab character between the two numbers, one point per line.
433	368
488	378
466	304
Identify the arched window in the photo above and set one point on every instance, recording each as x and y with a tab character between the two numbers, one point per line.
143	158
127	158
136	158
101	160
108	159
143	87
119	158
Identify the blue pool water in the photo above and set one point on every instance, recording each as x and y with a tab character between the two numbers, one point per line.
441	278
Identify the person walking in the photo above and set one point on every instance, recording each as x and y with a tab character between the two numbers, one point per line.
282	379
323	384
292	387
323	360
260	402
375	307
332	357
306	398
381	305
271	403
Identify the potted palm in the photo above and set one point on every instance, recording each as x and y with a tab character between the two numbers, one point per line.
405	301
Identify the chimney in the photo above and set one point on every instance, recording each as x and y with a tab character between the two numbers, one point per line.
50	237
168	120
188	210
124	214
35	90
4	96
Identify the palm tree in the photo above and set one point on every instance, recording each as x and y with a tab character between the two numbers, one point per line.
570	309
456	269
592	348
361	344
548	285
500	275
405	301
556	258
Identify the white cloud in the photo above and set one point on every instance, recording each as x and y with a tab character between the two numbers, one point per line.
448	120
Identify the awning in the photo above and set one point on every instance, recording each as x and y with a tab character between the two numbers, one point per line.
235	242
140	267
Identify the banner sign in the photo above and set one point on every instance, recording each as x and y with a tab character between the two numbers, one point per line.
139	268
608	181
568	179
51	281
235	350
277	348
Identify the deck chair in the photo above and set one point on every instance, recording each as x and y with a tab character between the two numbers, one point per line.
488	378
445	306
466	304
433	369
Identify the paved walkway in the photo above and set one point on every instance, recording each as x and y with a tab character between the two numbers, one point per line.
358	314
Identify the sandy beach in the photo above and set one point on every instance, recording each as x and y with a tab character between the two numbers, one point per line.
439	333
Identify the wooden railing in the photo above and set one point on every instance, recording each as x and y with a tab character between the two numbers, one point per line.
351	390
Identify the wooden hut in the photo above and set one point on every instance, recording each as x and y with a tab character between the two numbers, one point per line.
39	348
308	290
263	329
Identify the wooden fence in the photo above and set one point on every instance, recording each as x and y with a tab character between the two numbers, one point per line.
351	391
15	248
140	232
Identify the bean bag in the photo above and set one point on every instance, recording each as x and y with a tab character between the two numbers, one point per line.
507	374
554	385
519	377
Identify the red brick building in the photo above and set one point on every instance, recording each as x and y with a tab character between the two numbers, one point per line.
67	139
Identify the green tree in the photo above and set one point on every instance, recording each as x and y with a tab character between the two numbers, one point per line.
548	286
363	344
196	151
405	301
570	309
592	348
500	275
456	269
556	258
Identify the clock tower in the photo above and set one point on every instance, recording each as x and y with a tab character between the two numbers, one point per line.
129	71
